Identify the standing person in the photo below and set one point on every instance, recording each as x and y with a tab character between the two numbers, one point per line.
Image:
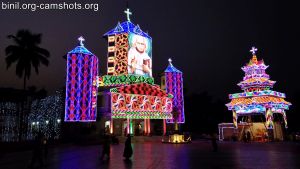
128	149
106	148
125	131
244	137
106	130
37	153
248	136
214	142
45	148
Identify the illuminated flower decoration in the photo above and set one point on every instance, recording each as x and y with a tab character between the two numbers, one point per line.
118	101
131	102
143	104
157	104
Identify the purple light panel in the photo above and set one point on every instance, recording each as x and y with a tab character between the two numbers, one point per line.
174	86
81	87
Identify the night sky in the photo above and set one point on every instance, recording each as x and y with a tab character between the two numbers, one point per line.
209	40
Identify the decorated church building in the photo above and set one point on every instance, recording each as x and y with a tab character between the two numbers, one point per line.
125	100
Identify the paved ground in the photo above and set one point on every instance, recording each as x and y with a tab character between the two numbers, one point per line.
196	155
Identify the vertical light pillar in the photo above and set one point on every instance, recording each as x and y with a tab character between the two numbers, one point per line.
164	127
220	132
149	126
128	126
234	116
145	127
111	55
112	126
131	127
269	119
285	119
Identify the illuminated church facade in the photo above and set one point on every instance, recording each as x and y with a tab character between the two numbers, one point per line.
126	99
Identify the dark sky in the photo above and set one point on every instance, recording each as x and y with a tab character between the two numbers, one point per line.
209	40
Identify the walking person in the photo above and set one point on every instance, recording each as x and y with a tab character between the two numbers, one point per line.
106	148
128	149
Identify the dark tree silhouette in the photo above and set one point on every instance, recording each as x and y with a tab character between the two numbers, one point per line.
26	53
203	113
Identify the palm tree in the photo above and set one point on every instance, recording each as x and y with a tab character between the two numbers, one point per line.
26	53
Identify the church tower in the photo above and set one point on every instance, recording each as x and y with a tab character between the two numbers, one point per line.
129	50
81	85
172	83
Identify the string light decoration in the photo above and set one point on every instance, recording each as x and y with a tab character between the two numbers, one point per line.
81	85
126	27
174	85
257	96
9	121
45	117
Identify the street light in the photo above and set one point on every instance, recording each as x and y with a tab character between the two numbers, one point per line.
58	120
47	121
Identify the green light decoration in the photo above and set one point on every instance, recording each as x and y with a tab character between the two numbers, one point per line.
108	80
141	115
131	127
170	95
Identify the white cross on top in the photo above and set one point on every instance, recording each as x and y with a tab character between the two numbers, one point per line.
128	13
253	50
170	60
81	39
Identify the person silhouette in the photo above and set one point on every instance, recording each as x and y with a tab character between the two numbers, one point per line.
106	148
37	153
128	149
248	136
214	142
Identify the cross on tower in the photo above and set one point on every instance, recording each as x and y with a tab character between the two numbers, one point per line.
170	60
128	13
81	39
253	50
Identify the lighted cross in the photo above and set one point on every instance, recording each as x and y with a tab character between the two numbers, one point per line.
253	50
81	39
170	60
128	13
